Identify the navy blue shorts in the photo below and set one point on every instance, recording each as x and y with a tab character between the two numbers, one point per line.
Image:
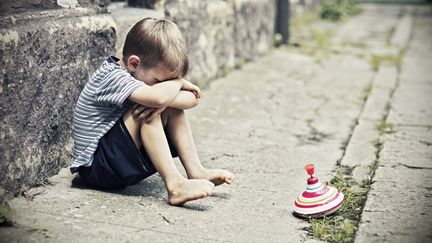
117	162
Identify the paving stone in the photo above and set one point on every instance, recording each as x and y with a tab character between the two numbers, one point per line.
409	146
403	31
360	152
398	206
379	96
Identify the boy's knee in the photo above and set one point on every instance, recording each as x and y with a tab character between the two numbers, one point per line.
156	118
174	112
169	113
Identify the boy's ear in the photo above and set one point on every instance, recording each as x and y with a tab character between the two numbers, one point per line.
133	62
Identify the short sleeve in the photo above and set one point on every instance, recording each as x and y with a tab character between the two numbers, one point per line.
116	88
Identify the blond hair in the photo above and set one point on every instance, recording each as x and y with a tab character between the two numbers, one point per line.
158	43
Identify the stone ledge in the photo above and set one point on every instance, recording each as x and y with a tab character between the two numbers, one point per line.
45	65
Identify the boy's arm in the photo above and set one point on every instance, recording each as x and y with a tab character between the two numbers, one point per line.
159	95
187	97
184	100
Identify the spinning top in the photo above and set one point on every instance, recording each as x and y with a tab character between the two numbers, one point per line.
318	200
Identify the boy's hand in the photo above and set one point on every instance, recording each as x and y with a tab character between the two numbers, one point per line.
192	88
146	113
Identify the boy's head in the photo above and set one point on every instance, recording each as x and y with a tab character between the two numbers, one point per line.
156	45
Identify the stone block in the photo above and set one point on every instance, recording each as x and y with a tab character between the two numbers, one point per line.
254	27
16	6
380	94
360	152
403	31
208	27
45	62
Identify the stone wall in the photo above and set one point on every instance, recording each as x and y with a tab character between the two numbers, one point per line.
208	27
221	34
45	59
254	27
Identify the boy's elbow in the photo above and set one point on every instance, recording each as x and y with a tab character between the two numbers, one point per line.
195	102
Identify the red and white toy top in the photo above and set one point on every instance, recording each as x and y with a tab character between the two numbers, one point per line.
317	200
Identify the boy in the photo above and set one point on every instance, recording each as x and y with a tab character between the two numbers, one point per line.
129	120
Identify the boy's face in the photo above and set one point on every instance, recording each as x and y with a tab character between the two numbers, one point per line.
151	76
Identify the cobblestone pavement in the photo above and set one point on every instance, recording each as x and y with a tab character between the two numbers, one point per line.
399	205
264	122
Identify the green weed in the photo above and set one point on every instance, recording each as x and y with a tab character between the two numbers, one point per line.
336	10
357	44
390	59
384	127
341	226
298	22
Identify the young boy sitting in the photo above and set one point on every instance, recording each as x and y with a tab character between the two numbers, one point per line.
129	120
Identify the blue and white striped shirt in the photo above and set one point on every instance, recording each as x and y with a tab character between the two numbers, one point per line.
101	103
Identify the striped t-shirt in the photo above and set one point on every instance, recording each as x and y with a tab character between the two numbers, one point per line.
101	103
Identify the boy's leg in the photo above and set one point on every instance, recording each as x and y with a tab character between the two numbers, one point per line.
180	135
180	190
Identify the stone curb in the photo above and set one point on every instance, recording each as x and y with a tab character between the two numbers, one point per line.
403	31
361	151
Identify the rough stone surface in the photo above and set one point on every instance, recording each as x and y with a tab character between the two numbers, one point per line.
360	153
253	28
18	6
416	87
402	33
44	65
398	208
208	27
220	34
379	95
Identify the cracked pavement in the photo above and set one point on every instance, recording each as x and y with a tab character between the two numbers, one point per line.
399	205
264	122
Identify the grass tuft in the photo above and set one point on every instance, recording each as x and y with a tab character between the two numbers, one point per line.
341	226
384	127
390	59
337	10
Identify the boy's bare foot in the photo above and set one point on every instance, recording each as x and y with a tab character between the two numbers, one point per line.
189	190
216	176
